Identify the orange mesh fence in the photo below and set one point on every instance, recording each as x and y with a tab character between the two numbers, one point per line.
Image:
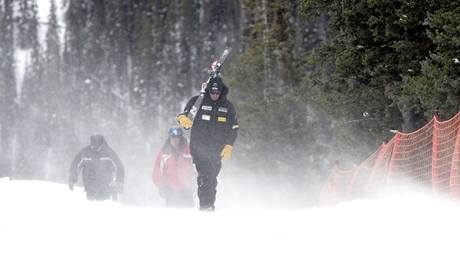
378	176
336	187
428	157
455	170
411	157
445	135
361	175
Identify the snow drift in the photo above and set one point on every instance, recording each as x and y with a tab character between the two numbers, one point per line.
46	220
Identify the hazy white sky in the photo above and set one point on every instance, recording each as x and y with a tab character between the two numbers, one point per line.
46	220
43	13
43	9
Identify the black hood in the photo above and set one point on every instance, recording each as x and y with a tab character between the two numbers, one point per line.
219	84
97	141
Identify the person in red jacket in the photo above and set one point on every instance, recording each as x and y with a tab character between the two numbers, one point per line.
173	172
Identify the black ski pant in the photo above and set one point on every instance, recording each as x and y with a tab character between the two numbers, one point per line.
98	192
208	169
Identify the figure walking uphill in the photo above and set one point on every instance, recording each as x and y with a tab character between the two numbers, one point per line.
102	170
213	133
173	172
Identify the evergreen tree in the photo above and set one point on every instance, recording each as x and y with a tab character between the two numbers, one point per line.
144	90
75	36
55	108
53	51
34	110
8	94
25	23
438	85
359	72
280	130
115	78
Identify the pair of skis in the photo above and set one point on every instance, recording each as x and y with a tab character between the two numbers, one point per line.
216	66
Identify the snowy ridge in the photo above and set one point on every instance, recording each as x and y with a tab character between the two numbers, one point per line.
46	220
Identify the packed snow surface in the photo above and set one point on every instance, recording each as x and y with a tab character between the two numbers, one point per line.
46	220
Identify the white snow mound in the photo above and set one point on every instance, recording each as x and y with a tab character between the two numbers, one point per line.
46	220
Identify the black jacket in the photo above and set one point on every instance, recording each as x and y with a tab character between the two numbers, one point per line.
99	166
215	125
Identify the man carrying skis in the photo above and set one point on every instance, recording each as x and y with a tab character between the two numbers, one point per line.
213	133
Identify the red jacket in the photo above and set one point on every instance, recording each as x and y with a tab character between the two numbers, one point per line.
174	170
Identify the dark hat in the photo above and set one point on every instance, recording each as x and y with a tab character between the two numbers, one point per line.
175	132
96	141
215	85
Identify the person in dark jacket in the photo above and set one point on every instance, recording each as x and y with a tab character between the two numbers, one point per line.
102	170
173	172
213	133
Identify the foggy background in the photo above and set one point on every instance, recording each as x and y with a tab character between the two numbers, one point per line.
310	92
315	83
126	68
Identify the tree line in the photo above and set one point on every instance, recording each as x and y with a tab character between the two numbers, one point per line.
387	65
313	81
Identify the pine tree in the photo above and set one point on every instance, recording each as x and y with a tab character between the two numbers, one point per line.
25	23
55	108
75	36
144	90
359	72
277	123
53	50
34	110
438	84
8	95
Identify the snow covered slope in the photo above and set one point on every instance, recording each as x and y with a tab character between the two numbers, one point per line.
46	220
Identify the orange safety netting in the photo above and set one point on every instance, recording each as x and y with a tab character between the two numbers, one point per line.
429	157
